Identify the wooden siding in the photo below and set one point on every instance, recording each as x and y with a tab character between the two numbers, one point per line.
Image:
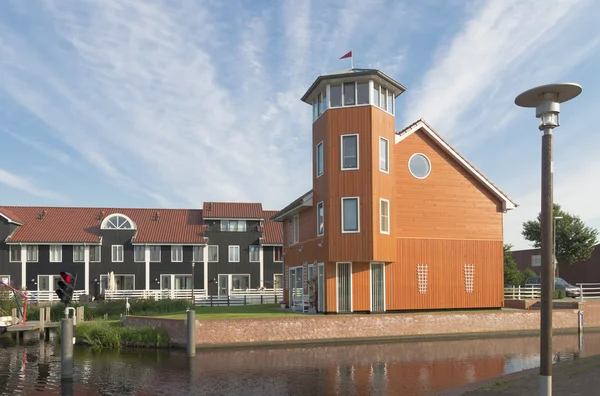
330	287
361	278
449	203
383	186
350	183
445	280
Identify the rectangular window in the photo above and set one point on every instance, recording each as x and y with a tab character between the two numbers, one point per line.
177	253
335	93
362	90
349	152
277	254
234	253
213	253
32	253
384	216
198	253
320	219
278	281
384	155
117	253
536	260
78	253
5	279
233	225
55	253
294	229
349	94
390	101
376	95
319	105
15	254
95	254
240	282
154	254
139	254
48	282
254	253
350	217
315	109
319	159
383	99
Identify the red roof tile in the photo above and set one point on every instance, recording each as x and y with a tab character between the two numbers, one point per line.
232	210
79	225
10	215
273	230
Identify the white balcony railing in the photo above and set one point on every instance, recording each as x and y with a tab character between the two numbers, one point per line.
589	291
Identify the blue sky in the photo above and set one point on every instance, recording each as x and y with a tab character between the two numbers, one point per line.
173	103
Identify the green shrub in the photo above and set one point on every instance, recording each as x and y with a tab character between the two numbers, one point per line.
558	294
111	335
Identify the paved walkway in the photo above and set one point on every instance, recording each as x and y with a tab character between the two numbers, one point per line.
579	377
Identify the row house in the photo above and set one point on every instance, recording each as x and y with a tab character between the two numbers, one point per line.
141	249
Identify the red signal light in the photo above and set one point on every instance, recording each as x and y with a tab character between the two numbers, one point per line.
66	277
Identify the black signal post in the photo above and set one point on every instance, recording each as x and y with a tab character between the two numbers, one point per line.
66	287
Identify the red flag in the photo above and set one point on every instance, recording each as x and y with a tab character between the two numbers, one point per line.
348	55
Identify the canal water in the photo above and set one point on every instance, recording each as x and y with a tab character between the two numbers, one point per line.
411	368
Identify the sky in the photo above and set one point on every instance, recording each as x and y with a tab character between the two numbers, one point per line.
127	103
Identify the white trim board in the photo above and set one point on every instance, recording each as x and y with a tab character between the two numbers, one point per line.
9	219
507	203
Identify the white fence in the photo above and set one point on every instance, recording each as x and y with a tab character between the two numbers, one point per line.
589	291
522	292
236	297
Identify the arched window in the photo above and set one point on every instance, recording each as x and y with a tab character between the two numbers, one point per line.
117	222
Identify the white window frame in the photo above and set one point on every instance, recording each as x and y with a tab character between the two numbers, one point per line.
274	259
342	152
294	226
235	247
120	251
50	279
337	286
387	155
5	279
371	285
320	219
137	248
250	249
55	250
174	254
15	248
357	215
104	279
75	248
381	220
35	252
97	248
536	260
200	250
280	283
208	253
320	159
155	247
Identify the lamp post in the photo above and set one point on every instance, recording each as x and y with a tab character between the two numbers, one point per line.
193	283
546	99
554	246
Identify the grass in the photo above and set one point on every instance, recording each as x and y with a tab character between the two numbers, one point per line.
111	335
235	312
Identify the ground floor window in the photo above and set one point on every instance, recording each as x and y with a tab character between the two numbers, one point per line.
278	281
5	279
175	282
240	282
47	282
121	282
377	287
229	282
296	285
344	287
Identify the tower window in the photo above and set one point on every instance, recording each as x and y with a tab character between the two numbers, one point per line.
319	159
362	90
335	93
349	94
349	152
350	215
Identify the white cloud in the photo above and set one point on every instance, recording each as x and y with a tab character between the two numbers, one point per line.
22	183
45	149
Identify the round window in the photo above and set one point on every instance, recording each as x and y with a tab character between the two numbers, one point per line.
419	166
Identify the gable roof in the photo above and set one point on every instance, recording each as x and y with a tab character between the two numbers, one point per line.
232	210
10	216
82	225
296	205
272	230
507	202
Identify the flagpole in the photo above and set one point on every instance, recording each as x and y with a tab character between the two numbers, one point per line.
352	61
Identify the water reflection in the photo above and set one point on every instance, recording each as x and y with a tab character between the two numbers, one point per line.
369	369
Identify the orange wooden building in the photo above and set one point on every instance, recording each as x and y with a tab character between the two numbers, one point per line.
395	221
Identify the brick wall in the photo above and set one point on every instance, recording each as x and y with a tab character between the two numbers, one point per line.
307	328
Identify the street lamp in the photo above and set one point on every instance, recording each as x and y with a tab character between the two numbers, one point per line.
554	247
546	99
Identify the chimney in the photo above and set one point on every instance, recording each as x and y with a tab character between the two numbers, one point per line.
42	214
101	215
156	216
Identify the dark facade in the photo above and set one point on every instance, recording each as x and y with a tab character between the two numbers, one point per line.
587	271
182	236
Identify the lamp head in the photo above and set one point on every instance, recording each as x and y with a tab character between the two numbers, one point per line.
546	99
